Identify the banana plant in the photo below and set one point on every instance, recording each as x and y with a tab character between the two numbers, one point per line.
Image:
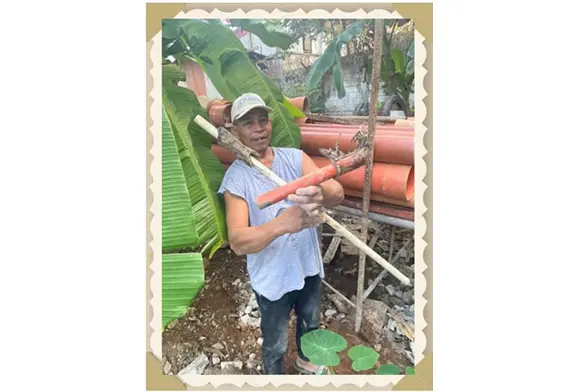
203	171
270	31
192	213
330	59
226	62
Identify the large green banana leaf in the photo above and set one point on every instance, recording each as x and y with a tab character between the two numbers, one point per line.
178	225
202	169
271	32
182	280
239	70
330	59
225	60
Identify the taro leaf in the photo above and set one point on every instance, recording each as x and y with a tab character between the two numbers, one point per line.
363	357
321	347
269	31
388	369
410	370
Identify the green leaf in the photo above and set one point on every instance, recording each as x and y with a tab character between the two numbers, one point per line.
321	66
363	357
293	109
207	42
269	31
240	72
233	73
410	370
331	58
351	31
321	347
398	58
338	80
173	72
178	226
202	169
388	369
170	27
182	280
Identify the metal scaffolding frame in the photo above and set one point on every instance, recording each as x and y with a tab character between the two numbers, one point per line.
366	216
363	294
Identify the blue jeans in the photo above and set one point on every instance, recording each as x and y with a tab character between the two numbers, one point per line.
276	315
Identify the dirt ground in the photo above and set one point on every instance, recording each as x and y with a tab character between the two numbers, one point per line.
213	319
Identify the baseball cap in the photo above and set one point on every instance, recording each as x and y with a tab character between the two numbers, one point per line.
246	102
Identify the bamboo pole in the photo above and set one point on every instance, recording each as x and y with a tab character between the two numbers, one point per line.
339	229
374	89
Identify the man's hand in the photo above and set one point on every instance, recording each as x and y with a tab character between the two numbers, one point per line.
295	219
310	199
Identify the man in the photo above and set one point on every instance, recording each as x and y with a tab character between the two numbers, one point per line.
281	241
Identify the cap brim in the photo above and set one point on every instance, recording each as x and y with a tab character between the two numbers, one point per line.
243	113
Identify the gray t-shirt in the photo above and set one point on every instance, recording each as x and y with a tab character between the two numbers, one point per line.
281	266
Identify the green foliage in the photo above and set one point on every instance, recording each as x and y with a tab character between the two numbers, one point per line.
293	109
363	357
193	216
178	223
388	369
330	59
182	279
203	171
271	31
316	96
226	62
322	346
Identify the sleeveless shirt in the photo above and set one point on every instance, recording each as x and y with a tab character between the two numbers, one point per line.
284	263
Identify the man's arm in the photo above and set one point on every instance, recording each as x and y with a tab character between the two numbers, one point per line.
245	240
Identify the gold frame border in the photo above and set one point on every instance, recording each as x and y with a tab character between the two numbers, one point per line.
422	15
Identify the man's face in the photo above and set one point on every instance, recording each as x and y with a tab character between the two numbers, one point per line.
253	129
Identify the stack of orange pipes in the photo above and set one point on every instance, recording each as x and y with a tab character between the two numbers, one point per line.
393	163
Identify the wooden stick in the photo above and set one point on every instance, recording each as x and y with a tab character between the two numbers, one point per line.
340	230
374	89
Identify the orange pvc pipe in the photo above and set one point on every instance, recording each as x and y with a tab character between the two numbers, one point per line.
387	148
219	111
226	156
390	180
391	183
317	177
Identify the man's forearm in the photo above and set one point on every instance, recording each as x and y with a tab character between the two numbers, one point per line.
249	240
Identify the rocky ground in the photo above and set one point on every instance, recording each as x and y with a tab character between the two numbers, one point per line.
219	334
